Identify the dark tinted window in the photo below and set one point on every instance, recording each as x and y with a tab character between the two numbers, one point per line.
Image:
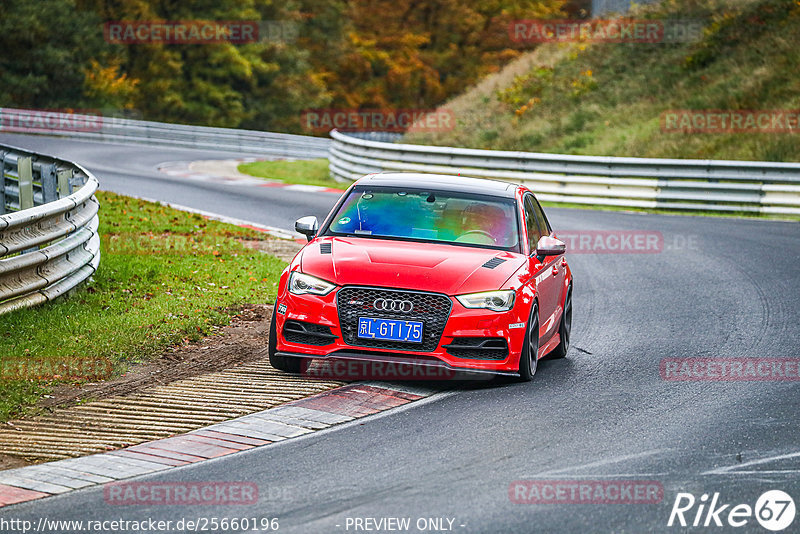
531	223
544	226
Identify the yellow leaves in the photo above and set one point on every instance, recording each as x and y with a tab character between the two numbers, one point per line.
527	106
107	84
583	84
526	89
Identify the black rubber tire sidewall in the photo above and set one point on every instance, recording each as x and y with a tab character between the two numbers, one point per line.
525	374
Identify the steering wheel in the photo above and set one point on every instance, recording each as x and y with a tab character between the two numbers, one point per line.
477	232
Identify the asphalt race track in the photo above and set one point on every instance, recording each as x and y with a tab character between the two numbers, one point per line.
133	170
718	288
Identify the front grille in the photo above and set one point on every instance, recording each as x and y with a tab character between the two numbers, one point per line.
307	333
432	309
478	348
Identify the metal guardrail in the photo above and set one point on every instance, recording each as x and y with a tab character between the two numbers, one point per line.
48	228
120	130
606	7
676	184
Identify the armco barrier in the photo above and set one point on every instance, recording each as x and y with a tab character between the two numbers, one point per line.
48	228
119	130
677	184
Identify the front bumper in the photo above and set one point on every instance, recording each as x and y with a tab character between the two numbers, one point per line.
460	325
353	365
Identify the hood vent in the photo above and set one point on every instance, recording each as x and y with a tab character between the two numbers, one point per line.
325	248
494	262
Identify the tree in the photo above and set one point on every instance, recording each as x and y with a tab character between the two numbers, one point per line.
46	46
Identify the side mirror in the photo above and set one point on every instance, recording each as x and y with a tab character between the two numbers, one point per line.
307	226
550	246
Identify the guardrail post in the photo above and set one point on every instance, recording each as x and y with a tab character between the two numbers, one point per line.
25	172
2	183
49	185
64	177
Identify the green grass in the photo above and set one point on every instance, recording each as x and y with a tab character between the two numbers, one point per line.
608	99
308	172
165	277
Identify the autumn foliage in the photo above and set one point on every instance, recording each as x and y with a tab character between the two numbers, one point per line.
355	54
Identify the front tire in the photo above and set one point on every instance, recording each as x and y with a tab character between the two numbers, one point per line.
281	363
565	329
529	360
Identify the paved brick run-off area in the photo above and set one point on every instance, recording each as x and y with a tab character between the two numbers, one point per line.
155	413
258	429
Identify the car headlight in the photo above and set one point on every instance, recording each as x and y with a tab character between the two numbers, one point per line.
491	300
301	284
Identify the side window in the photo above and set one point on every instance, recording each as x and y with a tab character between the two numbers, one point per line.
544	226
530	222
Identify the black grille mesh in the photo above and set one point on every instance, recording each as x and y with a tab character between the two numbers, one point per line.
307	333
479	348
432	309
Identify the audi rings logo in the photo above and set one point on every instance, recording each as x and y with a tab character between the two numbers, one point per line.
404	306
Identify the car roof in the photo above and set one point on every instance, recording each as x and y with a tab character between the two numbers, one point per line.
441	182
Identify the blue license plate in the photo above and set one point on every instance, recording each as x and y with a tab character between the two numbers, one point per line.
390	330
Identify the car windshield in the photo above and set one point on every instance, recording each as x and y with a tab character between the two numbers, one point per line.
426	215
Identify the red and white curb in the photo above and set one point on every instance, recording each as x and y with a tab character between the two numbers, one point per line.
183	169
258	429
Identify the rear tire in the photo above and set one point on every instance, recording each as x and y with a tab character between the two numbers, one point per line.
281	363
565	329
528	360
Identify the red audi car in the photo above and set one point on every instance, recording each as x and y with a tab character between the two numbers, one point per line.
429	270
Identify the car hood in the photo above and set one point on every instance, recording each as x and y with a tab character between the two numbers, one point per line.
449	269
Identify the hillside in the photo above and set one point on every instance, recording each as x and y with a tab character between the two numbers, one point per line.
609	98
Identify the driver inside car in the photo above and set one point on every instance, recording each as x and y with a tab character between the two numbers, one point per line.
480	224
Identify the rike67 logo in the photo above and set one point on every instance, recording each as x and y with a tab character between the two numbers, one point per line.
774	510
